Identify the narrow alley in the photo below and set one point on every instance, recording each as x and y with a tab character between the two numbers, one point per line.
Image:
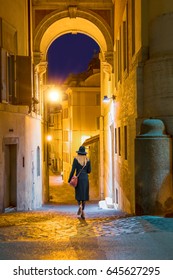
54	232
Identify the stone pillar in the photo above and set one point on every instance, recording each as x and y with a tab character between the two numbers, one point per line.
153	169
40	70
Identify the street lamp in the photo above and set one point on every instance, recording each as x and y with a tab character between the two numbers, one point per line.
106	98
51	97
54	95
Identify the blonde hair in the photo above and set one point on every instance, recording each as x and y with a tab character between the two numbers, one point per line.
82	159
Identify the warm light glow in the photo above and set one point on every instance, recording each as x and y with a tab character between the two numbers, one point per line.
49	138
84	137
54	95
106	99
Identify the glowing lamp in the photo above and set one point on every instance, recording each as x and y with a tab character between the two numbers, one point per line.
49	138
106	98
54	95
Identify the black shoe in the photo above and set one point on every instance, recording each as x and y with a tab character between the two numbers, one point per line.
79	212
83	215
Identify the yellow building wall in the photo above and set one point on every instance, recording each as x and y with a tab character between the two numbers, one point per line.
15	13
125	89
129	85
81	123
15	121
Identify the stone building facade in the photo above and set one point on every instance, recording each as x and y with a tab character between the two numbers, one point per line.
136	50
81	112
20	130
143	91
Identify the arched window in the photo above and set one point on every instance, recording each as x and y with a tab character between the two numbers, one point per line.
38	161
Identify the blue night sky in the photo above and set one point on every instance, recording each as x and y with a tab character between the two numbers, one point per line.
69	54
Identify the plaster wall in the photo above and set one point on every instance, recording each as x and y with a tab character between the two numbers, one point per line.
16	14
15	125
33	180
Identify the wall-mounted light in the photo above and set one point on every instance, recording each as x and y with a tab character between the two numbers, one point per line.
106	98
49	138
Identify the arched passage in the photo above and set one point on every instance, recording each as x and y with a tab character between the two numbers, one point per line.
87	22
59	23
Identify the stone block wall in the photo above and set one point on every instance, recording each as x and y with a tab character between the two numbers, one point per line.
153	169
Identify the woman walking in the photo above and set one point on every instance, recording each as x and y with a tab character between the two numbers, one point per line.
81	162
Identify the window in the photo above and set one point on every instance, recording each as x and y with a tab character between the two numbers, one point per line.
23	95
38	161
98	122
51	120
119	55
133	27
7	76
119	141
16	84
119	59
125	142
98	99
65	113
124	45
66	157
65	135
116	141
125	38
116	195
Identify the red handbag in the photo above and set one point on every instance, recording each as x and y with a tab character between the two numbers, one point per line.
74	180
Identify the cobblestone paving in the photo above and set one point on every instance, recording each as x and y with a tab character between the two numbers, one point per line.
58	221
56	225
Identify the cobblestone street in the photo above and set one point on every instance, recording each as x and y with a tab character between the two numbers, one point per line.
55	232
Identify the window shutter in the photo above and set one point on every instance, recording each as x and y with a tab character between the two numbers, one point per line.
3	67
11	79
23	94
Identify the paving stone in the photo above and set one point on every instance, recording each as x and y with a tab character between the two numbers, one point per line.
57	223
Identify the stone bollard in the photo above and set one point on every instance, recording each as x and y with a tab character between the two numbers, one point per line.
153	169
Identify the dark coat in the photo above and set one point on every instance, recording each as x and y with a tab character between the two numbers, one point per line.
82	189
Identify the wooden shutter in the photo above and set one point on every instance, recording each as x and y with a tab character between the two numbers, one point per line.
3	75
23	94
11	79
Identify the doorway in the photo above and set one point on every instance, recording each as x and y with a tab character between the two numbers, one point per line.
10	188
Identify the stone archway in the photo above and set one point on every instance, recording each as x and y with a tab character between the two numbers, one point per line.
71	21
75	20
